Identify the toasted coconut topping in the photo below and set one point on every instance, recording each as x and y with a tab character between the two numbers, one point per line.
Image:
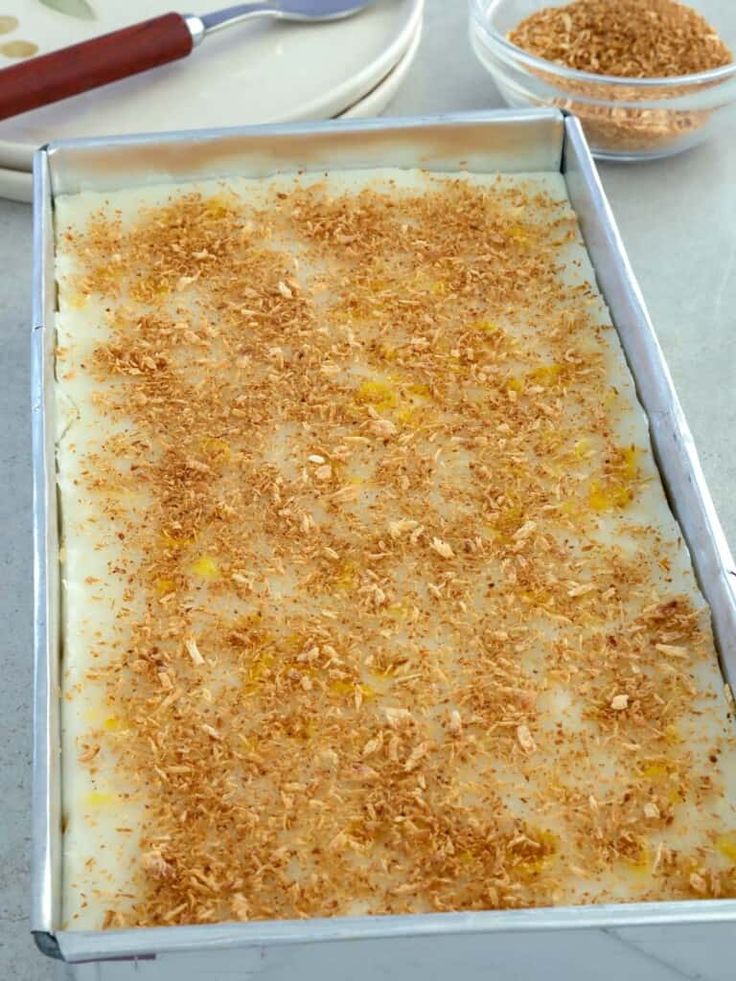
627	38
390	584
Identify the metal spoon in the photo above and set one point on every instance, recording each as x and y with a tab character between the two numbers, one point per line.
69	71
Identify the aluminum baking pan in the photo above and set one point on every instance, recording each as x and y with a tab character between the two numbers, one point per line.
505	141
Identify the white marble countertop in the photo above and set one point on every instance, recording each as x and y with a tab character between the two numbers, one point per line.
678	221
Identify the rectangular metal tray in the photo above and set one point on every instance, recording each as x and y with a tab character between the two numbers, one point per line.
505	141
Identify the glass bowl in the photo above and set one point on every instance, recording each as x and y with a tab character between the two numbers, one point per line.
623	118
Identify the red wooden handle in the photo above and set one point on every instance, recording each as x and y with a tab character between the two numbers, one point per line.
84	66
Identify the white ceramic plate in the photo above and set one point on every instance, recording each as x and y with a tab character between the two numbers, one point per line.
257	72
378	98
17	185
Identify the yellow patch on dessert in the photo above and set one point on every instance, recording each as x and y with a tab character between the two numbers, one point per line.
672	735
380	394
97	799
206	567
640	864
485	326
726	845
256	671
536	597
217	450
582	448
343	687
165	586
542	857
77	300
629	461
519	234
660	771
218	207
546	375
609	496
346	577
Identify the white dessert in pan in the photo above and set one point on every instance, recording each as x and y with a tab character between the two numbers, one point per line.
373	601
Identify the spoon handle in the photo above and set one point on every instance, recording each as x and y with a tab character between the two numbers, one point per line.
81	67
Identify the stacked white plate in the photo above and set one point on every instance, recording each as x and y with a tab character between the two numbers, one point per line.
258	72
